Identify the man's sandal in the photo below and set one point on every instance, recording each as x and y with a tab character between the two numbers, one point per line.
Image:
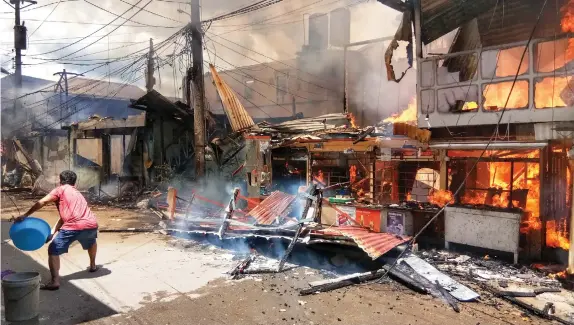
49	287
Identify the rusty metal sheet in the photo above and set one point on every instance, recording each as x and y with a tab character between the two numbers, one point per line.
375	244
274	206
238	117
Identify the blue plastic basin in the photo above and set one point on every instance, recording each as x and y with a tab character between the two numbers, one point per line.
30	234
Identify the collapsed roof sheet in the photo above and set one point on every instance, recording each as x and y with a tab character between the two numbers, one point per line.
373	243
238	117
311	124
274	206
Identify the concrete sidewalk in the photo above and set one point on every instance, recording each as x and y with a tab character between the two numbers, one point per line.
136	269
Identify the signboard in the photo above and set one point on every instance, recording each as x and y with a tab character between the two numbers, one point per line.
342	220
396	222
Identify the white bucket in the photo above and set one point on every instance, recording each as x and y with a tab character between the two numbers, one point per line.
21	295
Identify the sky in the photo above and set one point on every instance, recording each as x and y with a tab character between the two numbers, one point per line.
275	32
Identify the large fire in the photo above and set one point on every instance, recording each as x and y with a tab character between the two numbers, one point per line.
441	197
567	24
353	174
496	95
548	92
409	115
557	234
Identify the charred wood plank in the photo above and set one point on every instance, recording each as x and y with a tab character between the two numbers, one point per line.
343	282
363	135
533	310
405	279
228	214
517	293
543	290
260	271
290	248
346	281
241	267
449	298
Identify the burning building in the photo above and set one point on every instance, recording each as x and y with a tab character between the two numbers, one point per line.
499	105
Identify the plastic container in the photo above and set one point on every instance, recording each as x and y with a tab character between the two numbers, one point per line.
21	296
30	234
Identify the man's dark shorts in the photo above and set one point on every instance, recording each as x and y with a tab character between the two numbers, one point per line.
65	238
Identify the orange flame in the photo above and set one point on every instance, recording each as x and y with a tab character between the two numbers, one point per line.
496	176
548	92
496	95
567	23
319	177
409	115
353	174
561	275
441	197
352	119
409	196
557	234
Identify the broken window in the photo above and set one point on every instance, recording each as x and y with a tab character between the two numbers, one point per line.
458	99
505	179
457	69
553	56
504	63
496	95
553	92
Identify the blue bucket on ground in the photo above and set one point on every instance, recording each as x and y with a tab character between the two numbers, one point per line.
30	234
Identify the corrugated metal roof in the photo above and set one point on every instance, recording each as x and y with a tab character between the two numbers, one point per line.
375	244
442	16
311	124
238	117
274	206
499	22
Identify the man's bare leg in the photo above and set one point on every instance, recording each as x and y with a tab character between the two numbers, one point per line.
92	252
54	264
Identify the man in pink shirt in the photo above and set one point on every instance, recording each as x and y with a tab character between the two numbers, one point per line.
77	222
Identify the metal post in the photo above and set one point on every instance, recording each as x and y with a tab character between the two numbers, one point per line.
198	90
345	95
17	47
571	250
419	46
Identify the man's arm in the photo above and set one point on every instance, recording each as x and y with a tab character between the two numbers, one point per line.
37	206
56	228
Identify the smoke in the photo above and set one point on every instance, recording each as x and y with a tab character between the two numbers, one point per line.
278	32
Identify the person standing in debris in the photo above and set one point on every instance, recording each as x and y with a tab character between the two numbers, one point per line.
77	222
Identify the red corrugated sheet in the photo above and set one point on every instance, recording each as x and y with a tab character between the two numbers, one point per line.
274	206
375	244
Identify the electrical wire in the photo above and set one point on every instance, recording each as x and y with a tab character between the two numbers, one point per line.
266	83
42	23
87	23
38	7
267	57
78	97
153	13
133	21
99	29
84	47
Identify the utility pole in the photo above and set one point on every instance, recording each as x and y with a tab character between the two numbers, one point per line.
150	80
198	90
64	89
19	40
